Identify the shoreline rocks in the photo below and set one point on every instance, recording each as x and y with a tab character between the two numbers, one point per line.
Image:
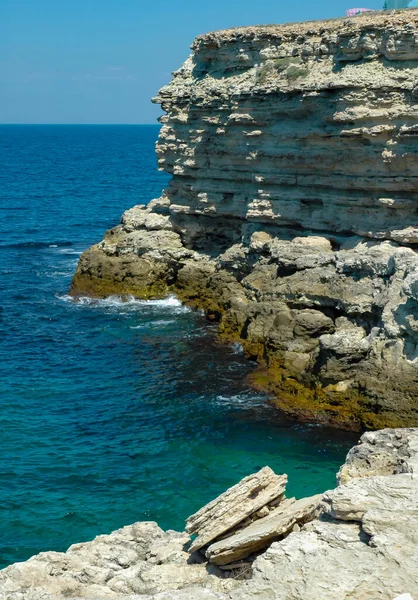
259	534
290	217
252	494
358	541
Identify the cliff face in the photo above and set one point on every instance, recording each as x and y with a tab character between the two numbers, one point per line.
310	126
291	216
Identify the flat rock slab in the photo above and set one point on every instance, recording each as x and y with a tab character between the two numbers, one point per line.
235	505
263	532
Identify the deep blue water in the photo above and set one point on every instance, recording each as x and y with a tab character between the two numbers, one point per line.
114	412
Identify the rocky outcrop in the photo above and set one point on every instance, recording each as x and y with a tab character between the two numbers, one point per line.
277	523
357	542
386	452
291	213
247	518
137	561
251	495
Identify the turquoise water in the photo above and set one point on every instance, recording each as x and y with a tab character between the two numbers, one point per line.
114	412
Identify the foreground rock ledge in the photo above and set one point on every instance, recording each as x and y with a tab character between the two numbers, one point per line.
357	542
248	497
291	213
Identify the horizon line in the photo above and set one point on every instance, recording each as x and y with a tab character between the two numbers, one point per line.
77	124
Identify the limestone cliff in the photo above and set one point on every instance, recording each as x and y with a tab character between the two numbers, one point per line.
291	216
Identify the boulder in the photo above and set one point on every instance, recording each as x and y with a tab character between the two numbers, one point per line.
261	533
233	506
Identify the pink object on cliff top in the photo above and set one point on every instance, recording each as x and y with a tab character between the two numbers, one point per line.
352	12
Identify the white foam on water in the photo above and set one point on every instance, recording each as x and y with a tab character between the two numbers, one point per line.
68	251
64	298
249	399
169	301
160	323
237	348
54	274
127	302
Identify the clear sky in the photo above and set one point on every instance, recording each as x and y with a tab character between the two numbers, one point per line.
100	61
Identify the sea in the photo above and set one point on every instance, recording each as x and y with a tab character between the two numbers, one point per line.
115	411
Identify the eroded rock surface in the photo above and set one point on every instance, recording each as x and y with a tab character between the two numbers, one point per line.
291	213
138	560
386	452
259	534
239	502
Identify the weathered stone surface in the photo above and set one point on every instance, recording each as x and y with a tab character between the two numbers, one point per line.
291	213
352	501
308	124
233	506
327	561
140	559
385	452
261	533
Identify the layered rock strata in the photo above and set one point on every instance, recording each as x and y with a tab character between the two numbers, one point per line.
248	497
357	542
291	215
275	523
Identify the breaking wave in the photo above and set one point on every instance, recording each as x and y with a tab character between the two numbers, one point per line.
126	302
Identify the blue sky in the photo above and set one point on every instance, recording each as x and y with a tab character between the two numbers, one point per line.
100	61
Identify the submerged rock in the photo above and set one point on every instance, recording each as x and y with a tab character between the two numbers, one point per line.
291	214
